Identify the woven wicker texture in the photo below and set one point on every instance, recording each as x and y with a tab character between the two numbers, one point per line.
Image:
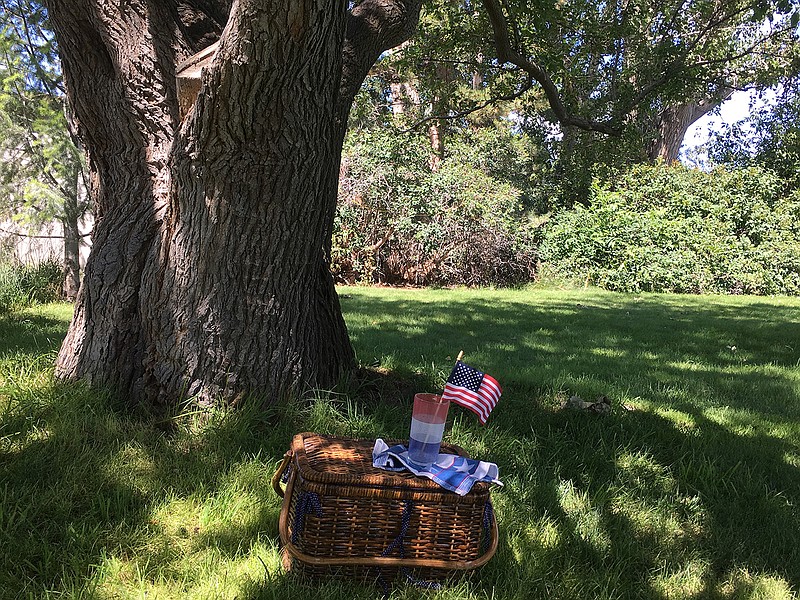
341	514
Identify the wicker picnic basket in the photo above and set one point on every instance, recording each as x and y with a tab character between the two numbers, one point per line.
340	515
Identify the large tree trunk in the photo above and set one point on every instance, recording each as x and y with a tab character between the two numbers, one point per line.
209	269
72	255
72	234
241	296
673	123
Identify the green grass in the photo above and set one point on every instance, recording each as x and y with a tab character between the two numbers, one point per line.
25	285
689	489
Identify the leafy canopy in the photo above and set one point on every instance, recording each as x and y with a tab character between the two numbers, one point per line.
41	163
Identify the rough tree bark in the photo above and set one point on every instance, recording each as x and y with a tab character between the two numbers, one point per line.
72	245
673	123
209	269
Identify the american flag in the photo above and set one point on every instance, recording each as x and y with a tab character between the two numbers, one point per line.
472	389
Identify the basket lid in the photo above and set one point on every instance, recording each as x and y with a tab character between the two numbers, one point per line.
348	462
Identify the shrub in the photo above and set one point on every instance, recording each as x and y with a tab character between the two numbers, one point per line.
400	222
24	285
11	294
673	229
43	282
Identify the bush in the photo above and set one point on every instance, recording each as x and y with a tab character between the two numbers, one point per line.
400	222
11	294
673	229
25	285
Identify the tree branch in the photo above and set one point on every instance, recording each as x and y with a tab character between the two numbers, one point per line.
680	63
373	27
472	109
39	237
506	53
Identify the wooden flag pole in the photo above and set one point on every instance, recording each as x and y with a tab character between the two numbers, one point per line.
458	359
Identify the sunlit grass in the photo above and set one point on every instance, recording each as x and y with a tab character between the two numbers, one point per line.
689	489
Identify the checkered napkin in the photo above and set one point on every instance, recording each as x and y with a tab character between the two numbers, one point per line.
455	473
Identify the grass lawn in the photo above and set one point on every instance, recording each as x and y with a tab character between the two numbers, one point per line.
690	488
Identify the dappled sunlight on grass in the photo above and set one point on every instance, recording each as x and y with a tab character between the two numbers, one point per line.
205	574
662	517
792	459
206	545
710	390
743	584
34	331
641	474
689	488
585	519
683	421
132	466
688	581
696	579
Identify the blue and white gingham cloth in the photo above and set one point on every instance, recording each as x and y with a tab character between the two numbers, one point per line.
455	473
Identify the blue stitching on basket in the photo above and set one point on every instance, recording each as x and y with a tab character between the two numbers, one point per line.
488	517
421	583
307	502
286	473
397	542
408	506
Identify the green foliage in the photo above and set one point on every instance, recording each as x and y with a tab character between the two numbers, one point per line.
11	295
768	137
688	489
578	159
400	221
619	62
673	229
27	285
622	64
41	165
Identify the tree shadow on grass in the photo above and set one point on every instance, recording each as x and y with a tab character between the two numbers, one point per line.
593	506
90	483
378	386
715	402
528	346
629	505
94	494
31	335
640	504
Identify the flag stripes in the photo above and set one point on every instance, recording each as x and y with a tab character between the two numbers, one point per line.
473	390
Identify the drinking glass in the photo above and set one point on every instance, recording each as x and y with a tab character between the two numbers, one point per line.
427	428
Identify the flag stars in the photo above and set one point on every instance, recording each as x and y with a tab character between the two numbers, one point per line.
473	390
467	377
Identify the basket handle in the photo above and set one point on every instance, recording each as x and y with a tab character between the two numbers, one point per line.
276	479
389	561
